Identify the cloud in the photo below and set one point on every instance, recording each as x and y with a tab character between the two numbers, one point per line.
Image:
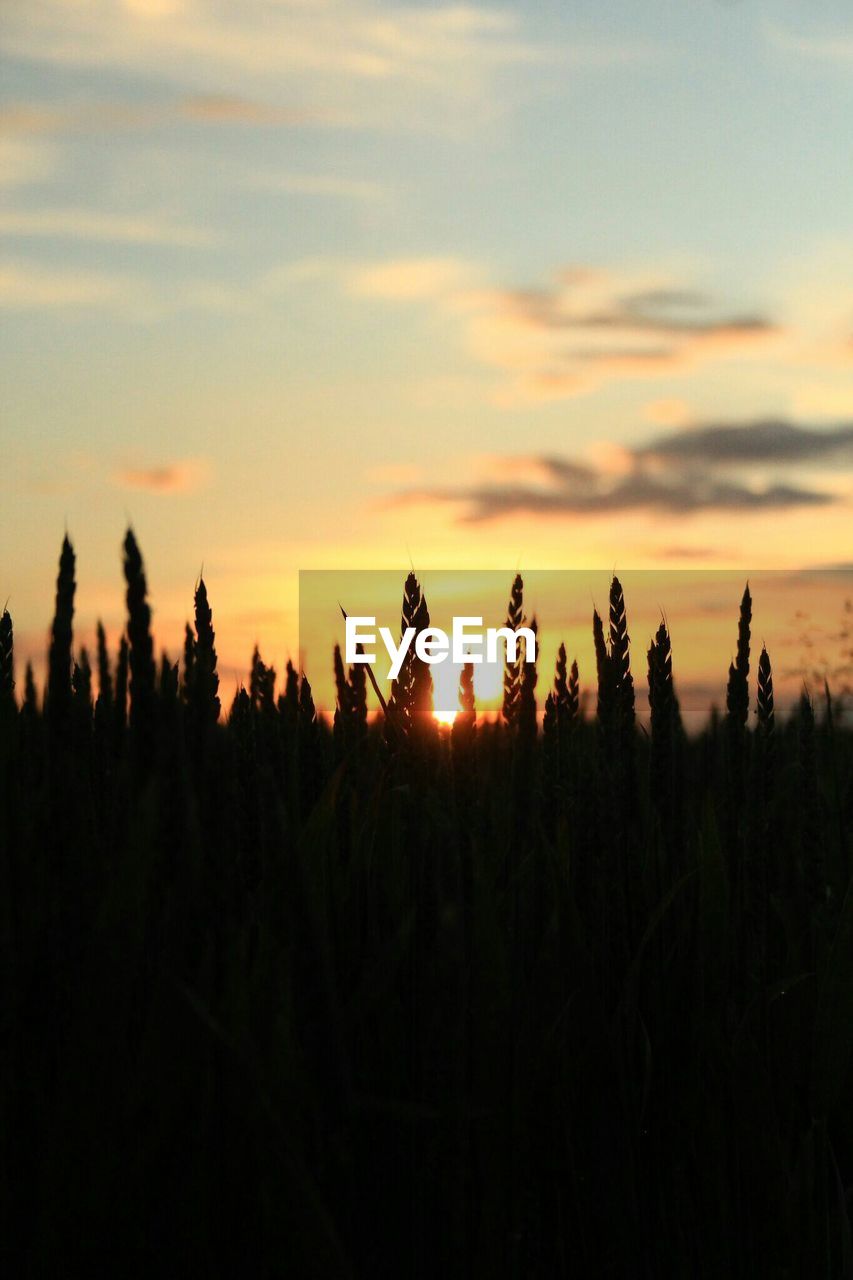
355	38
590	327
408	279
386	65
222	108
170	478
638	492
766	441
84	224
21	119
678	475
27	287
583	301
584	329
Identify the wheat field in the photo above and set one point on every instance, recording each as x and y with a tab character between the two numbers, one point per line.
538	996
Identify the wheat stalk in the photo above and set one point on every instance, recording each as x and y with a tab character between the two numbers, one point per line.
512	670
7	659
59	658
141	658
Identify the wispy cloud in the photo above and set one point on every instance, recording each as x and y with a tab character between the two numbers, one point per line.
85	224
27	119
688	472
29	287
224	108
346	37
355	56
766	441
169	478
575	334
590	327
409	279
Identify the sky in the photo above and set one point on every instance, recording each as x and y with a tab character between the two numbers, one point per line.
329	284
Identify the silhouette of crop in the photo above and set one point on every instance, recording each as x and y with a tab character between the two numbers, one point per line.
513	669
60	658
142	679
366	998
7	658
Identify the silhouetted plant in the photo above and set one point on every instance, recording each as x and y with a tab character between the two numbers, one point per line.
262	684
105	679
7	659
737	712
737	692
526	705
466	717
309	747
189	662
120	710
30	694
513	670
620	660
205	679
410	704
59	658
811	842
604	673
306	981
81	682
662	706
141	684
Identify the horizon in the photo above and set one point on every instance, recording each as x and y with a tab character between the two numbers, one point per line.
801	617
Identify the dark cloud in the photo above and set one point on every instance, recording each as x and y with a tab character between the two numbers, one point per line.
672	313
567	471
685	472
638	491
766	441
589	327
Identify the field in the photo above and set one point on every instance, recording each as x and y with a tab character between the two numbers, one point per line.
536	997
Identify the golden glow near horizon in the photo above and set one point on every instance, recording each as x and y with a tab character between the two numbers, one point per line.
803	618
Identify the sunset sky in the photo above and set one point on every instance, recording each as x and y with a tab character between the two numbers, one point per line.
297	284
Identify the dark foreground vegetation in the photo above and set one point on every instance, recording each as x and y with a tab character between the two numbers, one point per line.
377	1000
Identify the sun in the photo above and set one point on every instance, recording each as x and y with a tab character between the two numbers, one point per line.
444	716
